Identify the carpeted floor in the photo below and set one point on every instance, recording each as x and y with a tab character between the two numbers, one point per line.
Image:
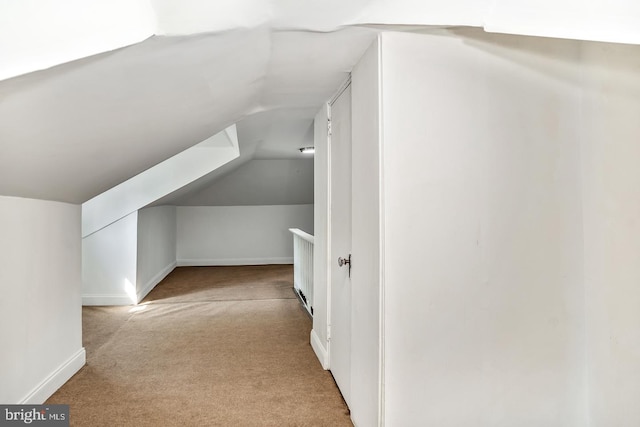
209	346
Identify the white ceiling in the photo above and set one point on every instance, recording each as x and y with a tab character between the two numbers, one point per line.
113	115
193	67
258	182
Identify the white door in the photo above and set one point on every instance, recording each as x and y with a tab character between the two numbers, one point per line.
340	241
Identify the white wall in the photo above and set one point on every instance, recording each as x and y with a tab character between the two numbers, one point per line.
156	255
366	241
484	315
109	264
236	235
40	282
124	261
611	194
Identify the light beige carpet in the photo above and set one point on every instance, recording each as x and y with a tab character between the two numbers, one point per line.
209	346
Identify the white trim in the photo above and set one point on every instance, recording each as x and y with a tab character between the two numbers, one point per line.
345	84
381	209
302	234
56	379
101	299
155	280
319	350
233	261
327	259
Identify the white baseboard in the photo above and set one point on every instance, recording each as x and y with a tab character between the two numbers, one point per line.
319	350
56	379
148	287
107	300
233	261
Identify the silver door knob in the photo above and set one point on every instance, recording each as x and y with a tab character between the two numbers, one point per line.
345	261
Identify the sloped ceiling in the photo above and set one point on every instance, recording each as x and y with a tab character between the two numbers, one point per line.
258	182
76	130
192	68
186	69
73	131
268	135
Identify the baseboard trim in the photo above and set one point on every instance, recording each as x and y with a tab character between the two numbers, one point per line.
56	379
319	350
155	280
107	300
233	261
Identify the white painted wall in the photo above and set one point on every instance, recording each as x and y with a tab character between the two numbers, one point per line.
611	195
484	315
156	255
38	34
366	281
321	227
109	264
509	229
40	283
236	235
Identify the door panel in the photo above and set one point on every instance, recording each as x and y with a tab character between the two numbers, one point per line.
340	241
